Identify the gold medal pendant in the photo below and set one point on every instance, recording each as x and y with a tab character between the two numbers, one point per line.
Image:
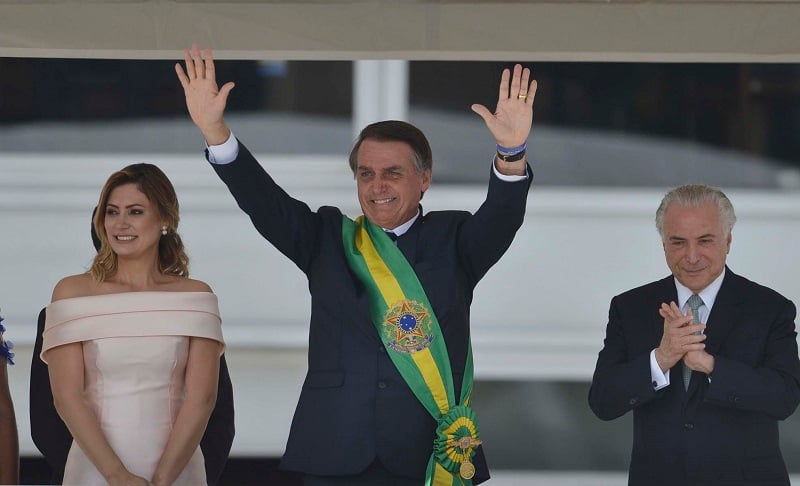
467	470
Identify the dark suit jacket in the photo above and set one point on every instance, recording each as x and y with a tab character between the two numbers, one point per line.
354	406
53	439
722	432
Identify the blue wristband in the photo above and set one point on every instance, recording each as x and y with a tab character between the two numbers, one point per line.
512	151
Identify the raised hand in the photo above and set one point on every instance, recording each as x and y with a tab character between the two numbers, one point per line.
204	100
680	336
511	121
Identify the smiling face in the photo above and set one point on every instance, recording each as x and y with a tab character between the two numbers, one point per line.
696	244
132	223
389	187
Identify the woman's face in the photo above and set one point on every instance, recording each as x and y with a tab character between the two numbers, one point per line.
132	224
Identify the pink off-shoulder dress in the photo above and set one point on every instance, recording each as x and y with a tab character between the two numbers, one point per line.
135	349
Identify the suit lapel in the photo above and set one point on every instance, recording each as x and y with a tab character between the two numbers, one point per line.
723	318
726	312
665	293
409	240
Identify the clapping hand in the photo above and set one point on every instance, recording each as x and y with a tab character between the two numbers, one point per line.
680	336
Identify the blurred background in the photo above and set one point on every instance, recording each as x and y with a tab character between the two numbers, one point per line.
608	139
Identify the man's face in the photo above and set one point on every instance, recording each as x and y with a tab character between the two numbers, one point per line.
695	244
389	188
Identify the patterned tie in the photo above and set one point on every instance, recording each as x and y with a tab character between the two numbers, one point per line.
694	303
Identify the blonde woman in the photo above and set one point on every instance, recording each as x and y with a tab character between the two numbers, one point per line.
133	345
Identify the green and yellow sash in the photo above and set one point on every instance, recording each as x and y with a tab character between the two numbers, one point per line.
413	339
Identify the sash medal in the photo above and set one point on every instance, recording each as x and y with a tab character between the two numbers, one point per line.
414	341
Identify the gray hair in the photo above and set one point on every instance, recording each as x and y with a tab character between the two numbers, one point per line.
695	195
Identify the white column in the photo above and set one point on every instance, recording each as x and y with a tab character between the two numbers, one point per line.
380	92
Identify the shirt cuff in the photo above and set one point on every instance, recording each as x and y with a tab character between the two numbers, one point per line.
224	153
508	178
658	377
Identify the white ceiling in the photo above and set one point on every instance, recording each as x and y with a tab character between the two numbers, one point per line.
520	30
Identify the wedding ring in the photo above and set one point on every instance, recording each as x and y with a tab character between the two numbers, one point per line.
522	96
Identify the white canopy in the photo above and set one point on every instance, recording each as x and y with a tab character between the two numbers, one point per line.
520	30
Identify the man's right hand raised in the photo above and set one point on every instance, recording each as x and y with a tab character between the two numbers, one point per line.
204	100
680	336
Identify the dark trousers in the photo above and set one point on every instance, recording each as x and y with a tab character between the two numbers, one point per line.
374	475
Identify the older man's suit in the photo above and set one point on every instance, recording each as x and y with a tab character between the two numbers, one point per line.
354	406
722	432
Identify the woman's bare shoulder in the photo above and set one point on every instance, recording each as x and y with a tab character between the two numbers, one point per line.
79	285
192	285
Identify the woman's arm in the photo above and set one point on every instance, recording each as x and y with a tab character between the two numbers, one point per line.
65	365
9	443
202	373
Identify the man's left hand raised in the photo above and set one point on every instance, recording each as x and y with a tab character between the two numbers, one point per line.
510	124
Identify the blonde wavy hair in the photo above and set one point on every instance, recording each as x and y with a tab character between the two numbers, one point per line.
154	184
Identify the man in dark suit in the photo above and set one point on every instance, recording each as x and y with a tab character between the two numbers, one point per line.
360	418
706	359
52	438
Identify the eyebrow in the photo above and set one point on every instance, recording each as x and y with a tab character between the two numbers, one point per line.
392	167
680	238
126	207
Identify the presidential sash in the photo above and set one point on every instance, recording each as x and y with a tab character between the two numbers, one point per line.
413	339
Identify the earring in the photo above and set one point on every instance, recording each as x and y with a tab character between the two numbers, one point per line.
164	231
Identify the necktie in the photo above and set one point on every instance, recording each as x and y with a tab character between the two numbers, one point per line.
391	235
694	303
